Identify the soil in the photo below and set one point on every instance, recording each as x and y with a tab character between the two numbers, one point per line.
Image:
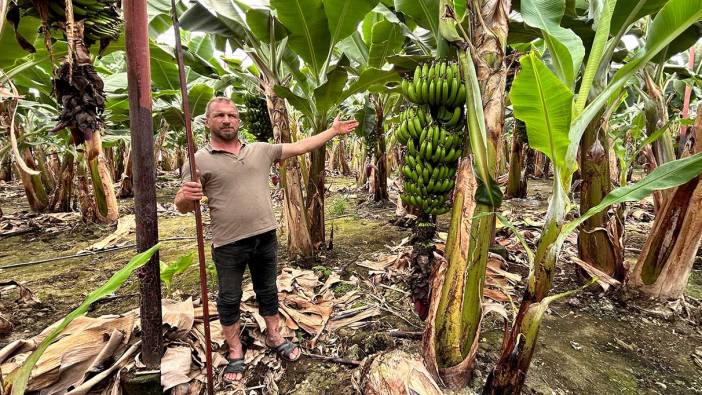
591	343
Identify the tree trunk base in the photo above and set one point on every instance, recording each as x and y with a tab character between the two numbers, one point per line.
396	373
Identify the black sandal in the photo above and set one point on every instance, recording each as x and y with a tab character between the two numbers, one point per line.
235	365
285	349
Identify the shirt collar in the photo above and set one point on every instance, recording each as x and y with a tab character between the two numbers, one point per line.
210	149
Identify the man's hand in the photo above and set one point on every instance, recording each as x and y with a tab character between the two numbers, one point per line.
188	196
343	127
191	190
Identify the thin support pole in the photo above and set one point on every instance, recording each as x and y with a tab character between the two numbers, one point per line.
198	214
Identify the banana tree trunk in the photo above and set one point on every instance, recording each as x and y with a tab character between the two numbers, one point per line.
6	169
126	183
158	147
539	159
656	111
315	196
600	237
517	182
103	187
490	25
47	178
61	201
508	375
665	262
33	185
180	161
299	239
119	161
380	175
451	336
88	211
345	168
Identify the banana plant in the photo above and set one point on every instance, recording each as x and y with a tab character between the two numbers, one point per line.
556	119
381	39
456	306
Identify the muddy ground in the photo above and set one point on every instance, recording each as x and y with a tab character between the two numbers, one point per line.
589	344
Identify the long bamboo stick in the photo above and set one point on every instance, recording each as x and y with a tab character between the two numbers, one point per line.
198	214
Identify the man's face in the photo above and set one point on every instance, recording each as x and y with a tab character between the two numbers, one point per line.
223	120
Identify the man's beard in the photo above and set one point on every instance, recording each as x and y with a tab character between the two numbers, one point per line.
227	134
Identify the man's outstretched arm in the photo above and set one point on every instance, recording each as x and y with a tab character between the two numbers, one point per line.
313	142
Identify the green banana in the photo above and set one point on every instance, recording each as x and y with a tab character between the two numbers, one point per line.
411	161
410	147
455	117
461	97
432	92
411	93
417	125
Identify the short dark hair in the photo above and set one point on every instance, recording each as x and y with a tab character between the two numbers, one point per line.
219	99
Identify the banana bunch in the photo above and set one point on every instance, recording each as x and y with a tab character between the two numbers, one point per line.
102	18
438	84
256	118
430	167
432	132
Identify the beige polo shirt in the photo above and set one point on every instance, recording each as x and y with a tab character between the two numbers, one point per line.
237	190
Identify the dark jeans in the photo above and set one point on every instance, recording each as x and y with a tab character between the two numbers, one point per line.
260	254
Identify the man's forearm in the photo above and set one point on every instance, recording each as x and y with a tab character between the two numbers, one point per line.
313	142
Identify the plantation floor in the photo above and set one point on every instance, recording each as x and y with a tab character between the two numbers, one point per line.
589	344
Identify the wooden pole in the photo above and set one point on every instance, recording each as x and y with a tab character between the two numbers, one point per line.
144	176
198	213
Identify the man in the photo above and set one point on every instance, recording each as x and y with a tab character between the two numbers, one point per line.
234	177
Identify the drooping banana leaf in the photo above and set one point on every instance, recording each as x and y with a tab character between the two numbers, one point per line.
20	377
666	176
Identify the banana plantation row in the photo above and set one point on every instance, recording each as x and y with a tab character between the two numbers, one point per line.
460	100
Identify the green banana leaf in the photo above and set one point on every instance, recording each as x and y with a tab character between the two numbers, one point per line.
543	102
298	102
198	96
675	17
167	272
386	40
424	12
566	48
199	18
343	16
596	53
641	7
668	175
309	32
10	49
259	21
20	377
327	95
355	48
374	80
